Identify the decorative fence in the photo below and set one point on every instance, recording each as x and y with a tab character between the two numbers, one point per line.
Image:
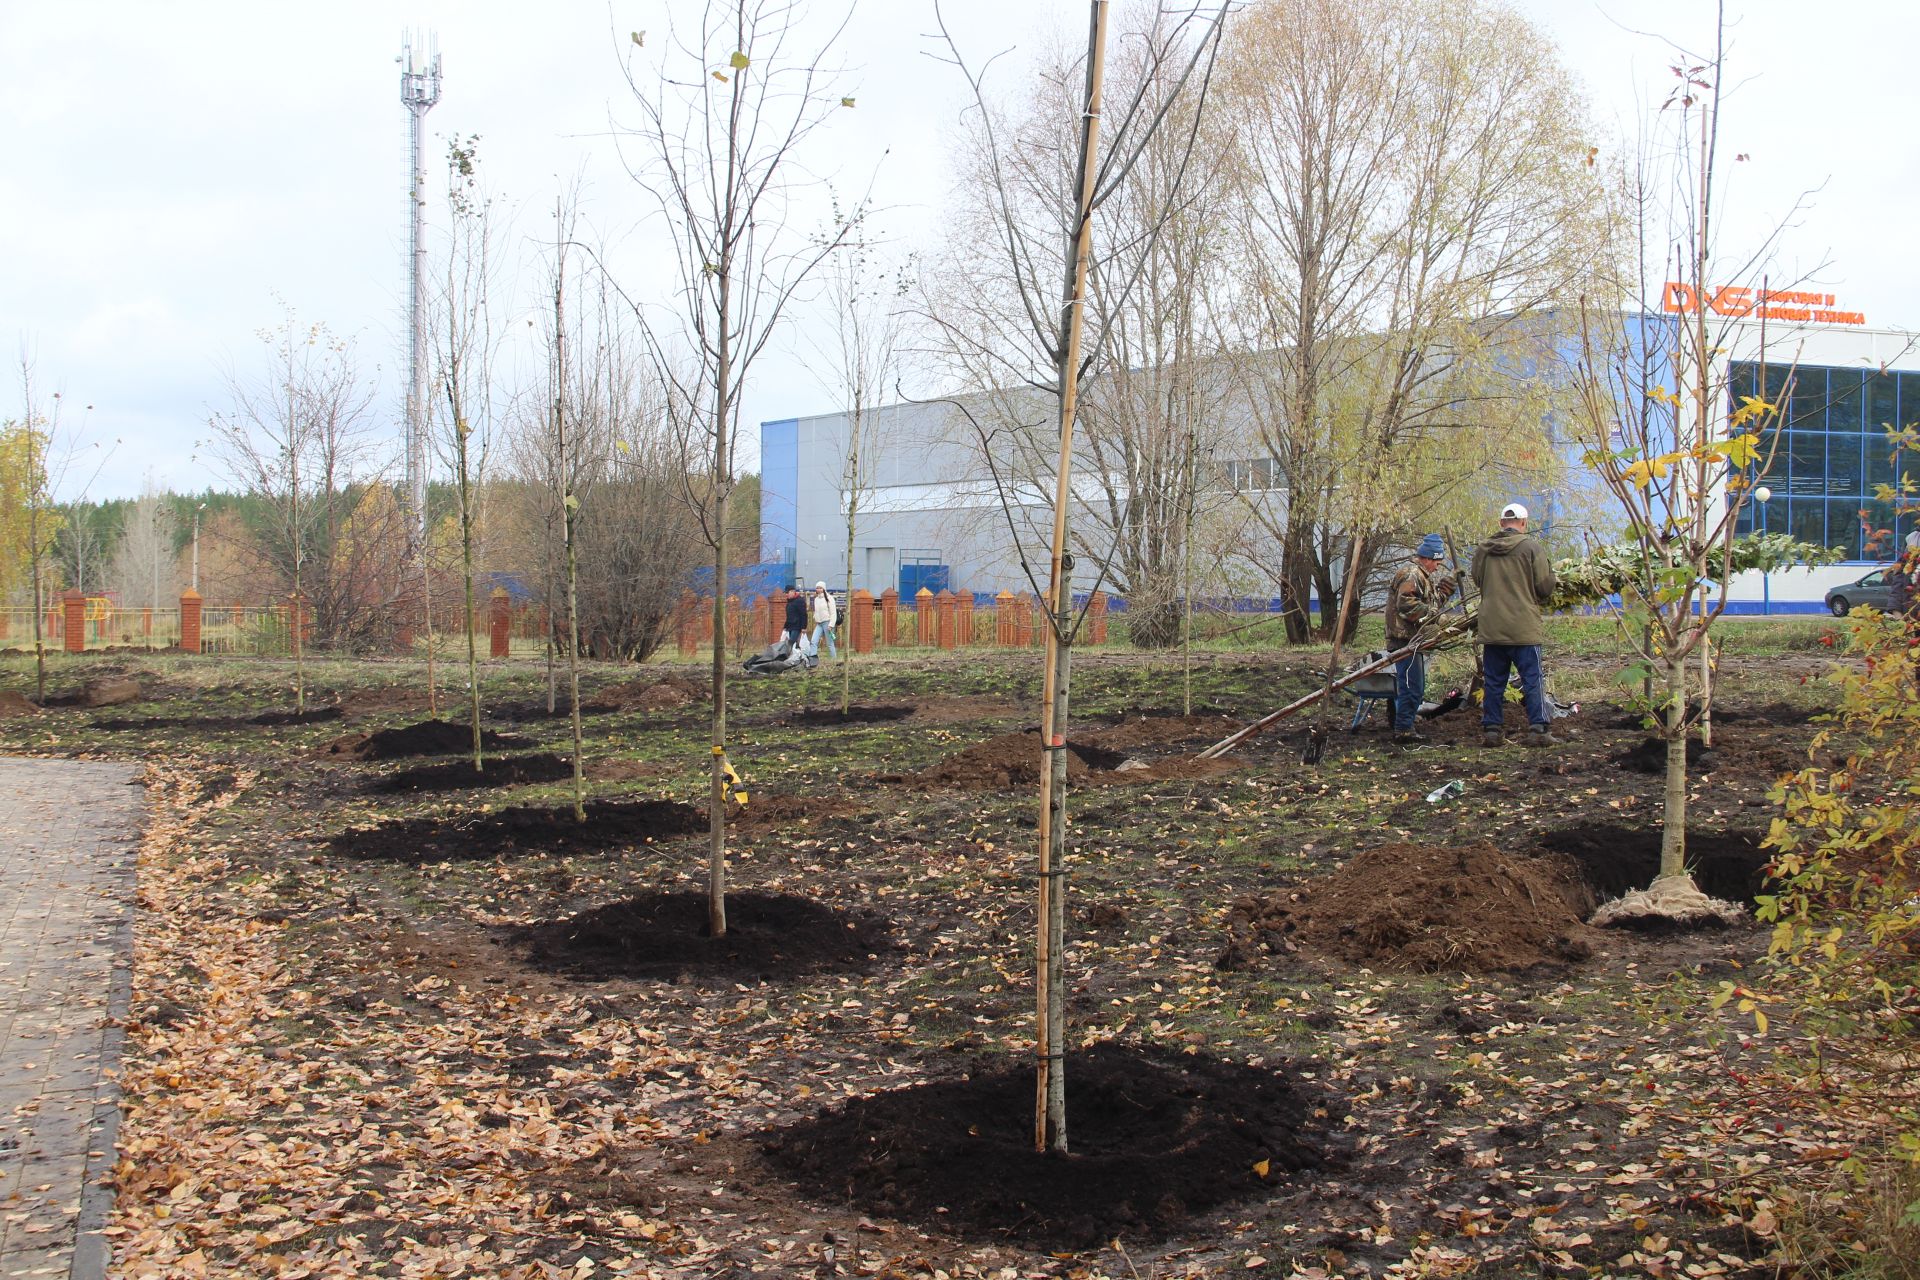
928	620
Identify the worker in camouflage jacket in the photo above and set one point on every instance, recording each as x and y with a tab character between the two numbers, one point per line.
1415	597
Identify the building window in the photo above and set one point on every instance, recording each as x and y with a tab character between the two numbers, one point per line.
1254	475
1830	453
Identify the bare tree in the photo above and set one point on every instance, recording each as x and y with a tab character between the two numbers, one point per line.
52	457
863	353
145	558
722	124
296	438
1042	349
464	340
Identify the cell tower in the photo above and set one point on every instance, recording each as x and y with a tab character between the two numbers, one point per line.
419	90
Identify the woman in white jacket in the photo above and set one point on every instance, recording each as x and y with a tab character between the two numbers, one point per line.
825	614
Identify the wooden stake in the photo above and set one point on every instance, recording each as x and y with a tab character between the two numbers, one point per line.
1050	1109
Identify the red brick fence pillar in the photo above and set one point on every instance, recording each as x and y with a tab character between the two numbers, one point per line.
860	621
73	609
1097	618
499	622
190	620
890	617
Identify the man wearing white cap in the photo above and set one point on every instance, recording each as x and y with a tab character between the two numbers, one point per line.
1516	583
826	613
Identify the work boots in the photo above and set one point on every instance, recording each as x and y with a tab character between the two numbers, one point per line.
1490	737
1541	735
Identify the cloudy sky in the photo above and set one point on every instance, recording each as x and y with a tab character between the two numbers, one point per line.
170	170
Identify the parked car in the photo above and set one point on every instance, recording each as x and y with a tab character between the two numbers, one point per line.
1870	590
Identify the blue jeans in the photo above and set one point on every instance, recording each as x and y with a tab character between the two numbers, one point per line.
1523	660
820	629
1409	690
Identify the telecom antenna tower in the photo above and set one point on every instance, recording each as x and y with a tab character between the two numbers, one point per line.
419	90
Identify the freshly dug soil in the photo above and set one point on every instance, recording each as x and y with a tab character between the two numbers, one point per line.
1425	909
211	724
1650	756
664	935
460	775
1776	714
1009	760
665	694
1172	769
1159	1139
100	691
620	769
519	832
1134	732
854	714
764	813
426	738
1614	859
318	715
14	703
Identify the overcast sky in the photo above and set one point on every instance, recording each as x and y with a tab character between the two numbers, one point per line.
168	170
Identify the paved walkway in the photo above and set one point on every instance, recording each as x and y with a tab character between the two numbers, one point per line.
67	834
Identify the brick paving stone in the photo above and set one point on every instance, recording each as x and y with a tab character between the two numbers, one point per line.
68	830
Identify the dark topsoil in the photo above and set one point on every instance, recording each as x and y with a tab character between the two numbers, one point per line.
272	719
1159	1139
1614	859
854	714
1423	908
460	775
520	832
664	935
1008	760
426	738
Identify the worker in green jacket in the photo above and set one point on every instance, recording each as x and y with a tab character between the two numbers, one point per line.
1516	583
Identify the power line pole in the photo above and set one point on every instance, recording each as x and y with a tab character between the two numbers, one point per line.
419	90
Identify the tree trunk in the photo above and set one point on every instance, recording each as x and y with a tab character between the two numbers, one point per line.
846	649
466	565
1673	835
722	514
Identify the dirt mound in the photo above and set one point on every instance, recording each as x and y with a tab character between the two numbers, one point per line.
379	698
665	694
1774	714
209	724
1009	760
1615	859
100	691
1423	908
460	775
519	832
425	738
855	714
1133	732
664	935
766	812
318	715
14	703
1159	1138
1649	755
1172	769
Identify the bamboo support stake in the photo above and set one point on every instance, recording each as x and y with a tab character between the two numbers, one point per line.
1050	1108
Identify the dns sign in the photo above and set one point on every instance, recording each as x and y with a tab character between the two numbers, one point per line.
1796	305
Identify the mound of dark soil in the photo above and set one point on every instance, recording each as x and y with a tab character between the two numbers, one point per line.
14	703
1614	859
460	775
425	738
854	714
1649	755
1775	714
100	691
668	693
1158	1139
1133	732
1009	760
270	719
767	812
1423	908
664	935
520	831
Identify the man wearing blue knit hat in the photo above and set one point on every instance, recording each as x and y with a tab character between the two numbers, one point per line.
1414	599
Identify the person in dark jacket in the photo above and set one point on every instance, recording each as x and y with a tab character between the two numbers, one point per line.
1516	583
795	625
1415	597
